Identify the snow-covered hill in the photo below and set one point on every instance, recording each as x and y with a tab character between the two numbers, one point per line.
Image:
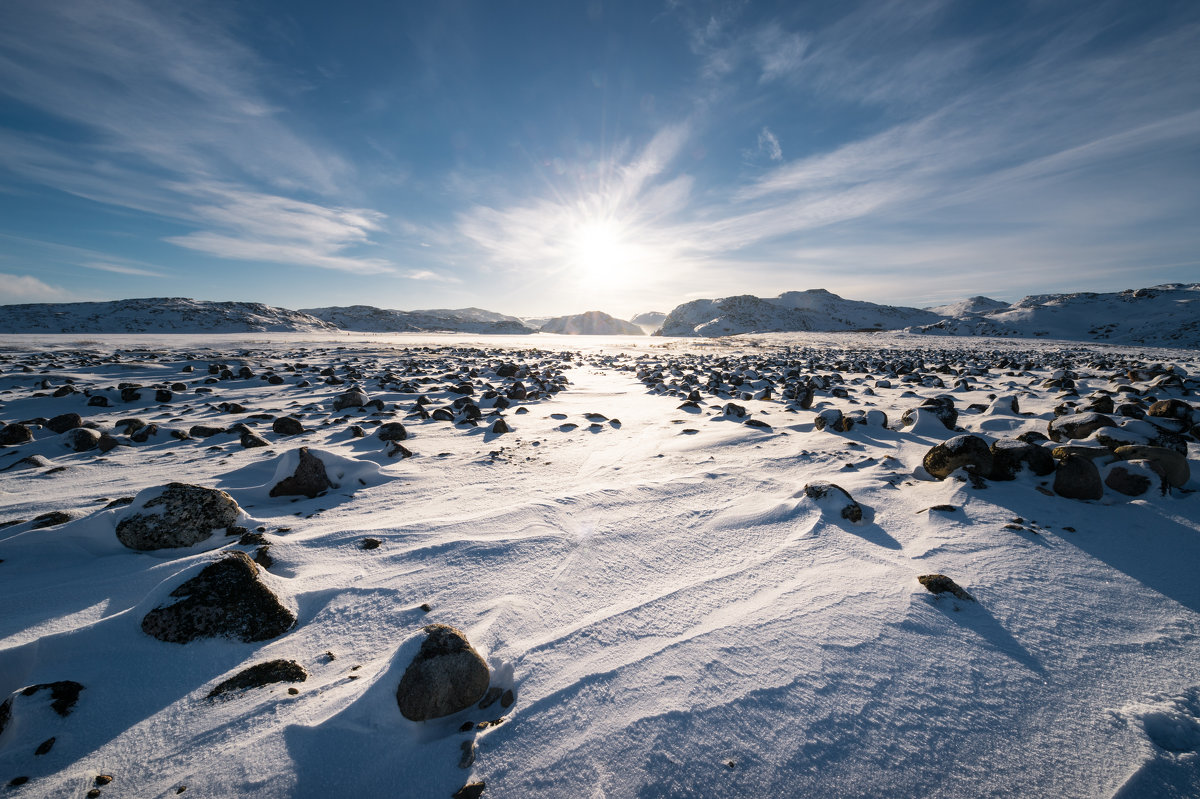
155	315
369	319
649	321
971	306
815	309
1167	315
592	323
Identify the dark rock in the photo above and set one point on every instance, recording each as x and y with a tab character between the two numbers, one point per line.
370	543
1082	450
97	401
1128	479
392	431
1009	456
64	695
204	431
107	443
940	407
64	422
472	790
50	519
287	426
830	418
500	426
941	584
44	747
1174	466
81	439
226	599
447	675
1078	478
162	395
180	515
969	452
834	498
350	399
1171	409
142	435
308	480
252	440
261	674
1078	425
13	434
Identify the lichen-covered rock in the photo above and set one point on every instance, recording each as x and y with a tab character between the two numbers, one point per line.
260	674
1174	465
1078	425
941	584
446	675
309	479
1077	477
225	600
176	515
969	452
834	499
1010	456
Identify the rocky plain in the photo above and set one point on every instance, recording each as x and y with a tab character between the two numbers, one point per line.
794	565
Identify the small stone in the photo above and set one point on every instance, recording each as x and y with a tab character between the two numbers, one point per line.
940	584
507	699
370	543
472	790
490	698
44	747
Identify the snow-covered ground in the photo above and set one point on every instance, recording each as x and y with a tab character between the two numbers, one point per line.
674	616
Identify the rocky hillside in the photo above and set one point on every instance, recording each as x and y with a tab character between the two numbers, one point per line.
1165	316
592	323
649	321
815	309
155	315
369	319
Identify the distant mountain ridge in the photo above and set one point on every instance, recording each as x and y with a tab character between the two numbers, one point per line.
592	323
369	319
156	315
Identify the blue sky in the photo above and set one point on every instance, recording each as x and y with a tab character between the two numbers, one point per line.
556	157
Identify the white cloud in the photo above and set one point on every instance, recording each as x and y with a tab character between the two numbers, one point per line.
27	288
768	143
121	269
426	274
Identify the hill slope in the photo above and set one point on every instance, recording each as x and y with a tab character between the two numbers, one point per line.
155	315
815	309
592	323
369	319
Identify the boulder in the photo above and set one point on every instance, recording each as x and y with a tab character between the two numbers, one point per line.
13	434
392	431
350	399
1174	466
1078	425
941	584
287	426
940	407
225	600
1171	409
81	439
1077	477
1010	456
834	499
446	675
309	479
968	451
176	515
64	422
1134	478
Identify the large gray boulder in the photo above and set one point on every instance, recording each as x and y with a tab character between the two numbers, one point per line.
1078	425
225	600
447	675
1078	478
176	515
309	479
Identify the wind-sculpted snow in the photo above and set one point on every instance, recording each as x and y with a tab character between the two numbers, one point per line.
691	567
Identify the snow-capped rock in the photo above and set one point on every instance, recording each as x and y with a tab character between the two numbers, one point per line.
971	306
368	318
155	315
815	309
592	323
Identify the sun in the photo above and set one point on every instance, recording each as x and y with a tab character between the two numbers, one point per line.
601	253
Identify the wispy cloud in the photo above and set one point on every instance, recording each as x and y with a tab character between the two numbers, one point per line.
427	274
27	288
163	104
121	269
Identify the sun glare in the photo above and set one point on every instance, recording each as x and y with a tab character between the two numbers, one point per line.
601	253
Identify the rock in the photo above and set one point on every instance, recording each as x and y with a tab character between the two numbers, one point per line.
64	695
226	599
350	399
1168	409
392	431
204	431
472	790
1082	450
940	407
13	434
830	418
81	439
176	515
1174	466
51	519
1009	457
287	426
97	401
252	440
64	422
369	543
1077	477
835	499
261	674
734	410
968	451
142	435
1135	477
500	426
308	480
941	584
447	675
1078	425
